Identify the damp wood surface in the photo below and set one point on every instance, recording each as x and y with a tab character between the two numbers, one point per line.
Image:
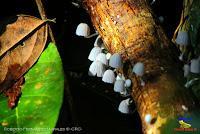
128	27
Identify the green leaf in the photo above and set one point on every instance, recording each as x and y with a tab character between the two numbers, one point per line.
41	99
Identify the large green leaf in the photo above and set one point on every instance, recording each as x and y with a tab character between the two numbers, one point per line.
41	99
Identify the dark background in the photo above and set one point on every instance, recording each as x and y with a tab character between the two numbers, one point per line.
94	103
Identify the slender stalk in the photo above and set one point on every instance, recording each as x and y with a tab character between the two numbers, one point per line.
44	17
67	90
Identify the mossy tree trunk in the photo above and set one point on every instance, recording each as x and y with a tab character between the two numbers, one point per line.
128	27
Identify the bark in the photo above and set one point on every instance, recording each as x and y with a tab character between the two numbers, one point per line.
128	27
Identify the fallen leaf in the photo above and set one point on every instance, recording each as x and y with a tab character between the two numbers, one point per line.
18	30
21	52
41	97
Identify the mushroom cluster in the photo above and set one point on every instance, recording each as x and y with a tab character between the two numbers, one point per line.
103	60
105	65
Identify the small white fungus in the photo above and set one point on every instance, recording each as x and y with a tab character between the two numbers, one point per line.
108	55
195	66
101	57
182	38
186	69
83	30
116	61
148	118
184	108
119	86
138	69
124	106
94	53
108	76
96	69
128	83
120	77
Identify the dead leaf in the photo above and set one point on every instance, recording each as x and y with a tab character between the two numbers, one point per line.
14	92
17	31
18	58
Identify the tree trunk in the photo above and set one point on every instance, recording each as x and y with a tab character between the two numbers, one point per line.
128	27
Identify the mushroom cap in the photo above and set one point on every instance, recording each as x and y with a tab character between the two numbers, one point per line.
83	30
120	77
184	108
128	83
96	68
108	55
99	42
116	61
195	66
119	86
182	38
108	76
102	58
142	82
147	118
186	69
138	69
161	19
124	106
94	53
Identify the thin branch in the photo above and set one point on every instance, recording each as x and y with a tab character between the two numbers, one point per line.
44	17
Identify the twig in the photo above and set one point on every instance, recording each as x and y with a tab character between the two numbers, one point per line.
67	90
44	17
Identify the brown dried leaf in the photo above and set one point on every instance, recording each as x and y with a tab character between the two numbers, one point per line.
37	50
18	59
17	31
14	92
3	68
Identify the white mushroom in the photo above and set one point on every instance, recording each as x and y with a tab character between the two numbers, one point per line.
96	68
98	42
128	83
182	38
148	118
161	19
124	106
186	69
83	30
119	86
116	61
108	55
108	76
184	108
195	66
120	77
94	53
102	58
138	69
152	2
142	82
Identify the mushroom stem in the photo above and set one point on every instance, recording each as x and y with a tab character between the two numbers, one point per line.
92	35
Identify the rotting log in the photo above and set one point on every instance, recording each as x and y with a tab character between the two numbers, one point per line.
128	27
